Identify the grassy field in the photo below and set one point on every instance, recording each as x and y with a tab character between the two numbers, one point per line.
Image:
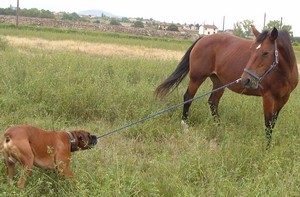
64	80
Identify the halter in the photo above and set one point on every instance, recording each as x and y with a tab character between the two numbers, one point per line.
257	79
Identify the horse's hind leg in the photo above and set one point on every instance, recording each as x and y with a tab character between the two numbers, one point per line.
215	97
189	94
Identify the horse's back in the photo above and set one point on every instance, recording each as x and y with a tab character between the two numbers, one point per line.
221	54
222	40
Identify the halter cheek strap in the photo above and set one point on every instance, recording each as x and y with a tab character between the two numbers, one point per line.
73	142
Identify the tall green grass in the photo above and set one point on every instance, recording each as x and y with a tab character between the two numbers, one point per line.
70	90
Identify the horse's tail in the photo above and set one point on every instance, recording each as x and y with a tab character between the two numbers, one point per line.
177	76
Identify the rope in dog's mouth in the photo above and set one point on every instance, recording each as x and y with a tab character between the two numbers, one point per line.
168	109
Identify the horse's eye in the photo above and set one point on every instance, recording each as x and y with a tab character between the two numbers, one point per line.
265	54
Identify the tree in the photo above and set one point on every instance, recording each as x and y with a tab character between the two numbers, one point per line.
114	21
138	24
73	16
33	12
278	24
274	23
246	24
7	11
243	29
297	39
46	14
125	20
238	30
172	27
287	27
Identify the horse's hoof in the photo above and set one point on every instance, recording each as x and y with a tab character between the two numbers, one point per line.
185	127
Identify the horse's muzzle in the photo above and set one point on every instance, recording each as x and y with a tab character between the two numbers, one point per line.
250	83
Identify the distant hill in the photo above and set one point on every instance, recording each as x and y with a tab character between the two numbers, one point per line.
96	13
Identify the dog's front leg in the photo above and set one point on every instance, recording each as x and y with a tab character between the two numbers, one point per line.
67	172
64	169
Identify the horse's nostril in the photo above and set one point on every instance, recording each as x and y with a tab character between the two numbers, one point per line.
245	81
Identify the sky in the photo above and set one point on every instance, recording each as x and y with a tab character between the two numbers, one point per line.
181	11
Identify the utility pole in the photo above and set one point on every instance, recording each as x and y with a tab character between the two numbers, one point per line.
264	21
17	14
223	23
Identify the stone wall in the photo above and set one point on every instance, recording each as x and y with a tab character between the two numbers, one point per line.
94	26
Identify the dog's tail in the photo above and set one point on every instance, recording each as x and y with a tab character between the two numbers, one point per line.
5	142
10	153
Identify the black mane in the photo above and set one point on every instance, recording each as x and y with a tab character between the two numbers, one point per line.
261	37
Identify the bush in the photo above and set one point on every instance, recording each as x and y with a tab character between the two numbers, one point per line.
72	17
138	24
172	28
114	22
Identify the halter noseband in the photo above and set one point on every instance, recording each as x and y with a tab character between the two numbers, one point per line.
258	79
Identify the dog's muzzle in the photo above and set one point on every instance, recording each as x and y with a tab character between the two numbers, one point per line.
93	141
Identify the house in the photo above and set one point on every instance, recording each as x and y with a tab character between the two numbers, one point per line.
193	27
163	26
207	29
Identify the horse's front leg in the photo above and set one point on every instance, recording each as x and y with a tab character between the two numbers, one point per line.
272	108
270	123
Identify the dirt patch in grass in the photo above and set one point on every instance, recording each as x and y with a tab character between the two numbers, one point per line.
95	48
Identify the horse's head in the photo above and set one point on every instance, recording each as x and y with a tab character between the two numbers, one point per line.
263	58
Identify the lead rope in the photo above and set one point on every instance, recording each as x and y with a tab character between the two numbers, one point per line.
168	109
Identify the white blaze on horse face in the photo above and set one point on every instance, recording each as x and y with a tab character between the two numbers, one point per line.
258	46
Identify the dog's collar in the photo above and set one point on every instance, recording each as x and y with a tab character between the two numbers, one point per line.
73	142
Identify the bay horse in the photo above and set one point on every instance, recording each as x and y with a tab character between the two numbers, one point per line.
265	67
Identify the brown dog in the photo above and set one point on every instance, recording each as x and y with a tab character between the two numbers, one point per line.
30	146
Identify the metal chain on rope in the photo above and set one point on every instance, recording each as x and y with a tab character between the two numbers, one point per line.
168	109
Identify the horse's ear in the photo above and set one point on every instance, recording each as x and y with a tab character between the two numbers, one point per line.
255	31
274	34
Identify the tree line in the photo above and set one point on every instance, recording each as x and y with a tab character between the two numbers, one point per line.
243	29
240	29
34	12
